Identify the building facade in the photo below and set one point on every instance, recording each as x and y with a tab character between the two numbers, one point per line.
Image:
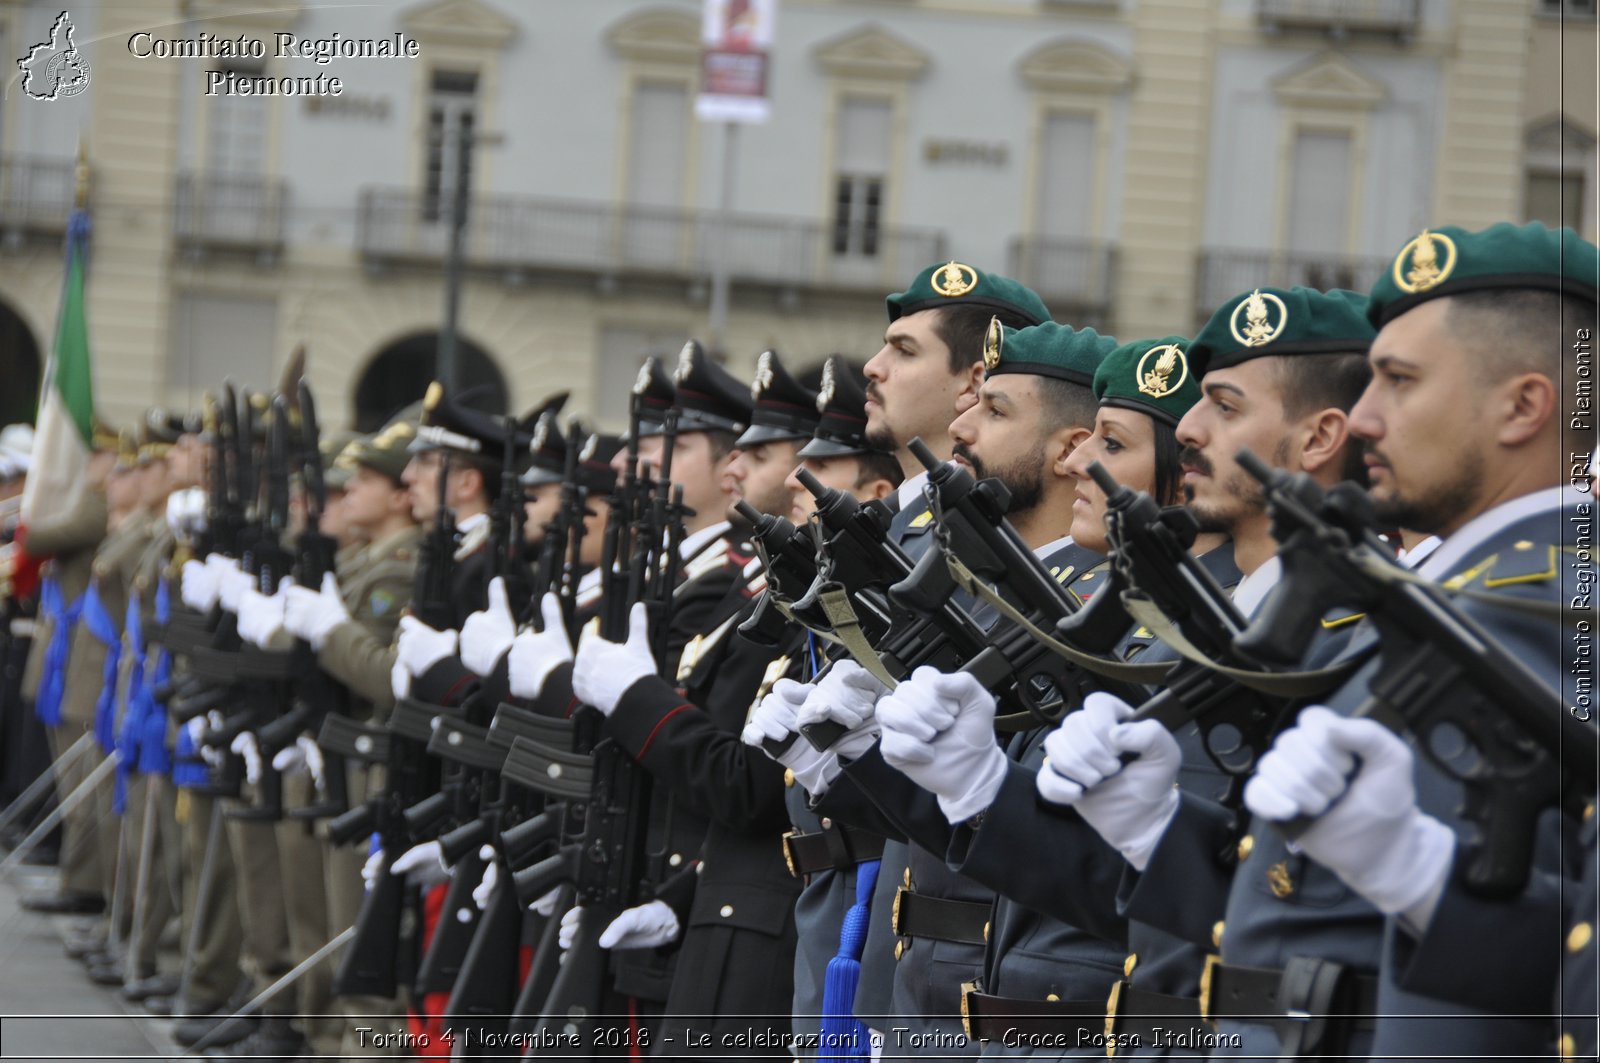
1136	161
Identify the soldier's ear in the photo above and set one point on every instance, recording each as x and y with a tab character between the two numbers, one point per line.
1522	408
1323	436
1068	439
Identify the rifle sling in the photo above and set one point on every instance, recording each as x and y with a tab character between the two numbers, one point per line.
835	602
1277	684
1148	674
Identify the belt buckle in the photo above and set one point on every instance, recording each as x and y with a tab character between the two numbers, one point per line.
894	913
1112	1003
1207	984
788	851
968	989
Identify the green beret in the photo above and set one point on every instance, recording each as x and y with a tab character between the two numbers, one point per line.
1151	376
1059	351
1275	321
1450	260
388	450
956	283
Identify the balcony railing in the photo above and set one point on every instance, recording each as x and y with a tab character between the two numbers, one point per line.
1072	276
36	196
516	233
1224	273
227	212
1339	18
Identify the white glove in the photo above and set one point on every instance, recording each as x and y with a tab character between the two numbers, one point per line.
570	919
198	584
603	670
186	511
290	760
420	647
370	869
312	753
212	755
231	587
488	633
244	744
399	679
776	718
312	614
535	654
546	905
196	726
939	730
1129	805
491	875
422	865
643	927
261	616
1368	829
846	695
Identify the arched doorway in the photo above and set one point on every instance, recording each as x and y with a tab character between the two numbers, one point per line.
399	374
20	368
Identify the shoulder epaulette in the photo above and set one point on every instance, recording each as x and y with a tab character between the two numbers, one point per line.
921	520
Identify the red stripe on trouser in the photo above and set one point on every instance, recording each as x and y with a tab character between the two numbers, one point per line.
427	1022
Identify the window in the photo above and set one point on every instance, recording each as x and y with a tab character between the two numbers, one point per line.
1066	175
236	134
452	113
1584	8
1553	198
1319	196
658	140
861	163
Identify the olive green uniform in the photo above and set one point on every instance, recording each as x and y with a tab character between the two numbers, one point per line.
72	539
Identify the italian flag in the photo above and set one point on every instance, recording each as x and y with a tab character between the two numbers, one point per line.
63	438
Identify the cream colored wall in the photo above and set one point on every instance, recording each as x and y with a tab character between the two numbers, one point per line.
132	152
1500	67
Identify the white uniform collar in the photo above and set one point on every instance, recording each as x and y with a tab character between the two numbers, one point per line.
1480	529
693	542
466	524
910	490
1051	547
1253	589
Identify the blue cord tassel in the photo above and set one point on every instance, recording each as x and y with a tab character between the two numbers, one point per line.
844	1037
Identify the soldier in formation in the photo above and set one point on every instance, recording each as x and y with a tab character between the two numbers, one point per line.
1021	692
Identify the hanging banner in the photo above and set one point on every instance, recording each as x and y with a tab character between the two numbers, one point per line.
737	35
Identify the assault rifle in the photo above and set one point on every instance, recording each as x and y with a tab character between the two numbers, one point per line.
1441	676
1150	555
611	866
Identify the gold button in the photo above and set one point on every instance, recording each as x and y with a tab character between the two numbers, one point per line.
1522	544
827	824
907	878
1569	1046
1579	936
1216	934
727	910
1052	997
1129	964
1247	845
788	776
1279	881
986	930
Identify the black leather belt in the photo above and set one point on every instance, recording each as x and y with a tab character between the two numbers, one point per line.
1067	1023
938	919
836	848
1140	1018
1314	1004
